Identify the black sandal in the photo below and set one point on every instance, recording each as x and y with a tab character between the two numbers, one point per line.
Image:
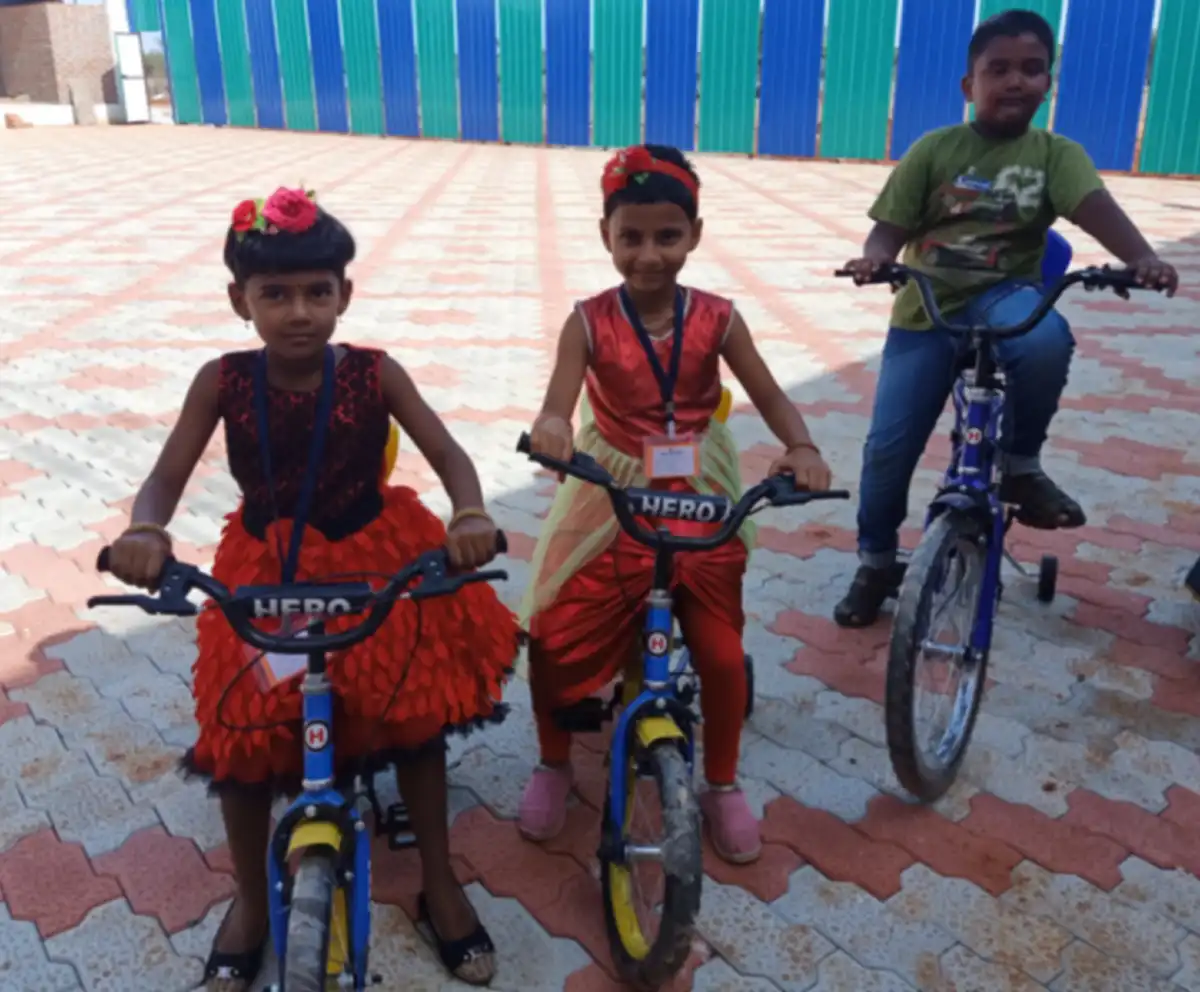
870	589
240	967
456	954
1040	503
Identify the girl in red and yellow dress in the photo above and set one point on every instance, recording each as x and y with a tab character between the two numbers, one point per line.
590	580
419	676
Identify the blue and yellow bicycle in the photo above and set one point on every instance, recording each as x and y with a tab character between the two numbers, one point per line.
654	735
319	865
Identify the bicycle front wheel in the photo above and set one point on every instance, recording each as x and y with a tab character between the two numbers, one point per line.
935	678
651	900
317	931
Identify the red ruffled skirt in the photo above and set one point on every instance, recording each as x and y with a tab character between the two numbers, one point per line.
449	656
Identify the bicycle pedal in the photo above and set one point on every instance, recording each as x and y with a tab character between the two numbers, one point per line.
587	716
397	828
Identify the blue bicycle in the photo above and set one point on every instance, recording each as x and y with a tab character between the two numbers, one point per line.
947	602
654	733
321	908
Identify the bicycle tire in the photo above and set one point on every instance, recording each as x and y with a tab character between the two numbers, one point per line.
909	628
305	967
649	964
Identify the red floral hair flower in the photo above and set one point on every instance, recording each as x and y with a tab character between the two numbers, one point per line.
629	163
245	214
293	211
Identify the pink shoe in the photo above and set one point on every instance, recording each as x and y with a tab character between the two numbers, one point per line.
543	810
732	828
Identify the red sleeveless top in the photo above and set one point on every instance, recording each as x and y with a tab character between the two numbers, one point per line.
347	490
621	387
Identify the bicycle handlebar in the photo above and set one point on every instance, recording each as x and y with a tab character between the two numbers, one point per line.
1103	277
243	605
630	503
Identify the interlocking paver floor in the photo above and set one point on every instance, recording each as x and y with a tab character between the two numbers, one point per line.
1066	858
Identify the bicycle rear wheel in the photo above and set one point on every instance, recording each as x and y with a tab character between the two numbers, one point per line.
318	937
651	936
939	598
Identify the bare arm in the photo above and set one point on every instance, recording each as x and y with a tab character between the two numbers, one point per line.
425	427
160	493
885	242
570	365
1102	217
769	399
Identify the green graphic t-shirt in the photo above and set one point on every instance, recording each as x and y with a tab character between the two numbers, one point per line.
978	210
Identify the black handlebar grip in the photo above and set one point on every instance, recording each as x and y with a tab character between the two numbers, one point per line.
524	444
102	560
501	543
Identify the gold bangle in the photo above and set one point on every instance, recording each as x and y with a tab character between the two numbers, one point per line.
466	513
147	528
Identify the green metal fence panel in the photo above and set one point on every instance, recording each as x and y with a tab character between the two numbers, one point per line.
295	65
522	101
437	68
1052	10
860	56
143	16
729	57
364	85
181	62
235	63
1171	140
617	73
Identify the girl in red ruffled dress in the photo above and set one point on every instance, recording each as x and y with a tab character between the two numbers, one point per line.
401	690
590	580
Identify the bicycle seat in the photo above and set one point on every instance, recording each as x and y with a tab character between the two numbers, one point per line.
1057	258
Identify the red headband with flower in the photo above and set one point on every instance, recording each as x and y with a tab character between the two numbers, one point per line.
634	164
291	211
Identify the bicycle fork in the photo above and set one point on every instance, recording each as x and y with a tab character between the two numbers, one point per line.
322	817
654	714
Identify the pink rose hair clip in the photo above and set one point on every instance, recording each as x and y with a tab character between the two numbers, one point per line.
291	211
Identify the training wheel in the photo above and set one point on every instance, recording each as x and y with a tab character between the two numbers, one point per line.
1047	579
749	663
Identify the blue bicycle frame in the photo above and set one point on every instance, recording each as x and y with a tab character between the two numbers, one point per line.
321	802
658	696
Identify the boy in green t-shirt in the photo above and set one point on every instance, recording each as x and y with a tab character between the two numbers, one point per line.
970	205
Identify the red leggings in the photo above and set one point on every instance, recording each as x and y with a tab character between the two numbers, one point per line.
717	656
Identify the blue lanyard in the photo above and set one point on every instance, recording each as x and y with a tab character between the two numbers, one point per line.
320	430
666	379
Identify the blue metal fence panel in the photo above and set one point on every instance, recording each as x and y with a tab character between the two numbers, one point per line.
790	86
478	88
398	58
329	68
264	63
933	46
568	72
672	42
1102	77
208	62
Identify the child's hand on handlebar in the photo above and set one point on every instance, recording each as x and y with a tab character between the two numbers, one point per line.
1153	273
551	437
471	542
806	466
865	269
137	559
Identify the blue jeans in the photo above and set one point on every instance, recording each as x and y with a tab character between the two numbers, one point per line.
915	379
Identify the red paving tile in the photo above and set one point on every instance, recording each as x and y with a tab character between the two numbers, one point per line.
1156	839
836	849
165	877
1057	845
51	884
